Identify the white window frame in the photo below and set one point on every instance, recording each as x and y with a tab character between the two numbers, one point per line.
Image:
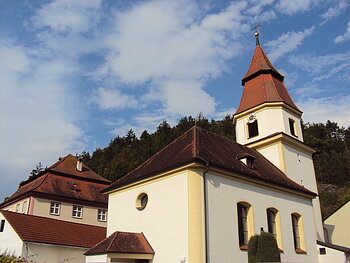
77	211
102	215
55	208
24	207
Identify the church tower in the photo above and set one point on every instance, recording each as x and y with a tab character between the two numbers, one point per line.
268	120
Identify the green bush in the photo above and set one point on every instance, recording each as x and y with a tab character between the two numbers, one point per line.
253	248
267	249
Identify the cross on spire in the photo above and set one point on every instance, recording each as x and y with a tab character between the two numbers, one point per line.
256	34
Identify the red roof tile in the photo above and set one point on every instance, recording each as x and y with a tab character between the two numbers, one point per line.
203	146
62	180
52	231
122	242
263	83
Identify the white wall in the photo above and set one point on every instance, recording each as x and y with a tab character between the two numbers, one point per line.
332	256
164	221
43	253
223	195
97	259
10	243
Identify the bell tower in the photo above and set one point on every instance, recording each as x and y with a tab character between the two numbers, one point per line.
268	120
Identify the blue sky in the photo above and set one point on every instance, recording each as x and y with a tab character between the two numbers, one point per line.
74	74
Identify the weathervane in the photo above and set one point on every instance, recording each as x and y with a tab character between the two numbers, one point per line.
256	34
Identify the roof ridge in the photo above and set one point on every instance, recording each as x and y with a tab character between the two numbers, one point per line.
113	239
151	158
48	218
59	161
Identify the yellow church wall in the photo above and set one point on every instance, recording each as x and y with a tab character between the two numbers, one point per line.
165	219
224	194
338	226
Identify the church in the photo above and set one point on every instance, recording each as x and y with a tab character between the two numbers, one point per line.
203	196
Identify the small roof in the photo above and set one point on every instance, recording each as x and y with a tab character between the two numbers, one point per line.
263	83
62	180
39	229
122	242
336	247
199	145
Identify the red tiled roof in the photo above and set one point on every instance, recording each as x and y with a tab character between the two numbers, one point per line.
62	180
263	83
203	146
68	164
122	242
52	231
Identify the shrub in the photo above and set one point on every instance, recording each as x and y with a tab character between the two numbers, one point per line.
267	249
253	248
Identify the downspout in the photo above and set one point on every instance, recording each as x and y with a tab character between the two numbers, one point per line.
205	212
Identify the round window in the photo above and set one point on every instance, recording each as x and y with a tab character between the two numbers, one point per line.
141	201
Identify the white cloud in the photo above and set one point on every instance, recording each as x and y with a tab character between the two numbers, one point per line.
166	44
286	43
322	67
291	7
113	99
334	11
345	36
67	16
39	123
323	109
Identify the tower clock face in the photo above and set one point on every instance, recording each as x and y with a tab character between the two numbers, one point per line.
252	117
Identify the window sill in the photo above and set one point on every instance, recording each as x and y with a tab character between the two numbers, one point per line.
243	247
54	214
300	251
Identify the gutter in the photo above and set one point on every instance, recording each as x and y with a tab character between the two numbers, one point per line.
205	212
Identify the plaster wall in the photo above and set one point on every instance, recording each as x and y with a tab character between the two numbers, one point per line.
97	259
43	253
332	256
20	203
223	194
42	208
272	154
300	168
164	221
338	227
10	243
270	120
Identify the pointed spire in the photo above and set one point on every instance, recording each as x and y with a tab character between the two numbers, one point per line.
263	83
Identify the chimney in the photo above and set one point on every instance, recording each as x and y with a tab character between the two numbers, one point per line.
80	164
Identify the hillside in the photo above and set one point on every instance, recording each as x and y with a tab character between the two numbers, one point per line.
332	159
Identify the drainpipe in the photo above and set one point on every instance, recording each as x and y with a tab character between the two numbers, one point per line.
205	212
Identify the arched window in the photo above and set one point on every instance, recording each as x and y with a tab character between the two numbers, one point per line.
298	233
271	221
244	212
274	224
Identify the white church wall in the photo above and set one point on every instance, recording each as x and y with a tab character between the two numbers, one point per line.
332	256
223	196
164	221
10	243
272	154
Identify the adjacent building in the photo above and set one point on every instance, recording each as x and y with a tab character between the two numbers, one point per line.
68	190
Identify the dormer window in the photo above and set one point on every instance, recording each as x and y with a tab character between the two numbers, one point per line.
253	128
247	159
292	127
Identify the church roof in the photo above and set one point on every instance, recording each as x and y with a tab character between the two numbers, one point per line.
199	145
122	242
62	180
263	83
39	229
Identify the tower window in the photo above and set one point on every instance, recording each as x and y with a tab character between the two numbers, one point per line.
2	226
292	127
253	128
